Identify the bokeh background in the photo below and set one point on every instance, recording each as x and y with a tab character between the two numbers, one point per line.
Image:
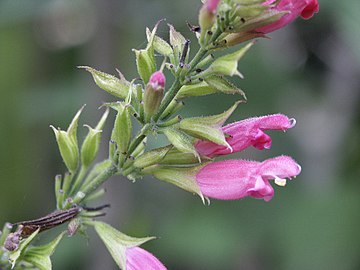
310	70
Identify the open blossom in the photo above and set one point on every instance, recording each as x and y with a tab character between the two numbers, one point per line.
303	8
245	133
236	179
140	259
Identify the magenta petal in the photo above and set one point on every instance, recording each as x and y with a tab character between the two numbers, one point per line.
140	259
236	179
211	5
303	8
245	133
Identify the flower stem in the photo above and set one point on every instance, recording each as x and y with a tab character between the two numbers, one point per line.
100	179
78	180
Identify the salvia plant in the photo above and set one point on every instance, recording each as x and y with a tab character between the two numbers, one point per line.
188	160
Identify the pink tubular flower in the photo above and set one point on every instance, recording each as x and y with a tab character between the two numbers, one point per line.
211	5
303	8
157	80
140	259
245	133
236	179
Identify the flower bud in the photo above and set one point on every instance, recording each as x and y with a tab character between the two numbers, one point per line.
90	146
207	16
68	145
68	149
122	130
154	94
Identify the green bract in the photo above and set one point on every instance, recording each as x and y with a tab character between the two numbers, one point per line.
111	84
117	242
68	145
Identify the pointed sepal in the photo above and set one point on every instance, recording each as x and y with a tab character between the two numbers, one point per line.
180	140
39	256
117	242
111	84
208	127
90	146
122	131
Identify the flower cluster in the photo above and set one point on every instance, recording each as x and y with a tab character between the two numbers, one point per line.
189	157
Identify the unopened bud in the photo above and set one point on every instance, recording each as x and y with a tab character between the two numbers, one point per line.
154	94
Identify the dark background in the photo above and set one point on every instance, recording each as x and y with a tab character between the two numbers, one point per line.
310	70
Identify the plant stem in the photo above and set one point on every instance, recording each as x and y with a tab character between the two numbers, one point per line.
78	180
100	179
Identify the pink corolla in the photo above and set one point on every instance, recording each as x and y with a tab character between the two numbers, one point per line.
245	133
295	8
140	259
236	179
211	5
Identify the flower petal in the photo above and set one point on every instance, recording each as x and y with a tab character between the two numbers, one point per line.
140	259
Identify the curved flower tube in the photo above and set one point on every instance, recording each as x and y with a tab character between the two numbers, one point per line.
295	8
245	133
236	179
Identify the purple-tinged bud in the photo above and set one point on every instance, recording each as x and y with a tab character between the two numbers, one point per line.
207	16
154	94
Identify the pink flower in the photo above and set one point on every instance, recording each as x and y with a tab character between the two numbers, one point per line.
303	8
245	133
211	5
236	179
157	80
140	259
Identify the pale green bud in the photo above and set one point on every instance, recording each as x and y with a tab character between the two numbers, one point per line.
111	84
154	94
68	149
122	130
90	146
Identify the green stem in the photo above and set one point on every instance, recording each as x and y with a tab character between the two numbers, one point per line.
78	180
100	179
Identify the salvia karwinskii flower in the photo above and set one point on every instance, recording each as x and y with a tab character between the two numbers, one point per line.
245	133
236	179
154	93
295	8
140	259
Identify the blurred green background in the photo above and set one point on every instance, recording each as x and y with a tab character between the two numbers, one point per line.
310	70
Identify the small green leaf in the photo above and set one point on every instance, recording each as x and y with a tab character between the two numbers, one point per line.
117	242
111	84
40	256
